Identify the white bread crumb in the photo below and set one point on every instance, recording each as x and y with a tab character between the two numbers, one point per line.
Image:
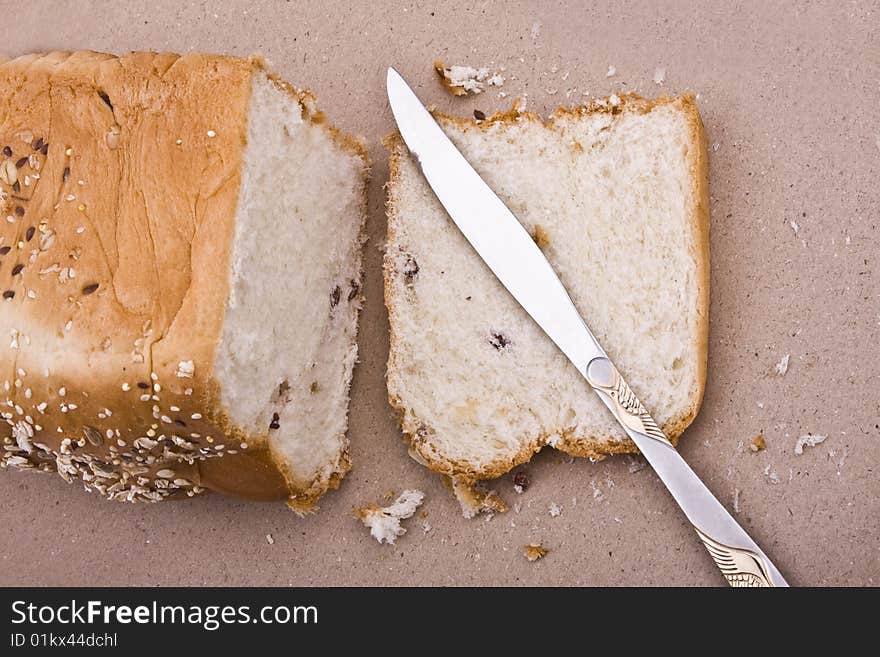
782	365
612	71
771	475
463	80
269	539
534	552
426	526
660	75
555	510
795	226
807	440
384	522
736	493
636	464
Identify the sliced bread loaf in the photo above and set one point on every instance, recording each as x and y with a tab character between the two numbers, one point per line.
615	194
180	272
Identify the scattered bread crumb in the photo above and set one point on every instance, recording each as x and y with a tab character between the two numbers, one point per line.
807	440
771	475
542	239
782	365
521	482
736	493
612	71
463	80
426	526
758	443
475	499
384	522
534	552
660	75
269	539
555	510
795	226
636	464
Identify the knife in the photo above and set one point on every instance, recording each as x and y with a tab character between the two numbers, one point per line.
512	255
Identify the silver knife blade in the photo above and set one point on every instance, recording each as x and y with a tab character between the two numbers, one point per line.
512	255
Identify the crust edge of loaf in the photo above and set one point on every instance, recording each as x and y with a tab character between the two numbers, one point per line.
585	446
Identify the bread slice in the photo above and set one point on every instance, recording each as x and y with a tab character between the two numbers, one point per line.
615	194
180	270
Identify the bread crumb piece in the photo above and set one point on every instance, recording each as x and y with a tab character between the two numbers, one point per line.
660	75
426	526
534	552
771	475
269	539
542	239
463	80
384	522
636	464
521	482
795	226
758	443
782	365
612	71
475	499
807	440
555	510
736	493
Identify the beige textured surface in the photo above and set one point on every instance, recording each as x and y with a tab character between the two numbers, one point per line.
789	97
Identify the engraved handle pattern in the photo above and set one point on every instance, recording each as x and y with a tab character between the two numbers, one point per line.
741	567
621	400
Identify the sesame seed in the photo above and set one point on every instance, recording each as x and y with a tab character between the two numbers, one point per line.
166	419
80	230
126	387
70	197
145	398
175	409
212	134
72	407
27	393
68	326
166	474
154	376
157	387
62	391
17	269
196	416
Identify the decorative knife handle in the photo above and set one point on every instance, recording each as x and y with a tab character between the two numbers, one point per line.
738	557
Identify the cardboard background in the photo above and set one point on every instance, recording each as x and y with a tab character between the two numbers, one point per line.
789	96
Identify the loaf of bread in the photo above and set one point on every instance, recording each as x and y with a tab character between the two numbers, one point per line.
615	194
180	277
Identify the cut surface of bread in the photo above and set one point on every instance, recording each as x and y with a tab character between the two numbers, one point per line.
180	277
615	195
